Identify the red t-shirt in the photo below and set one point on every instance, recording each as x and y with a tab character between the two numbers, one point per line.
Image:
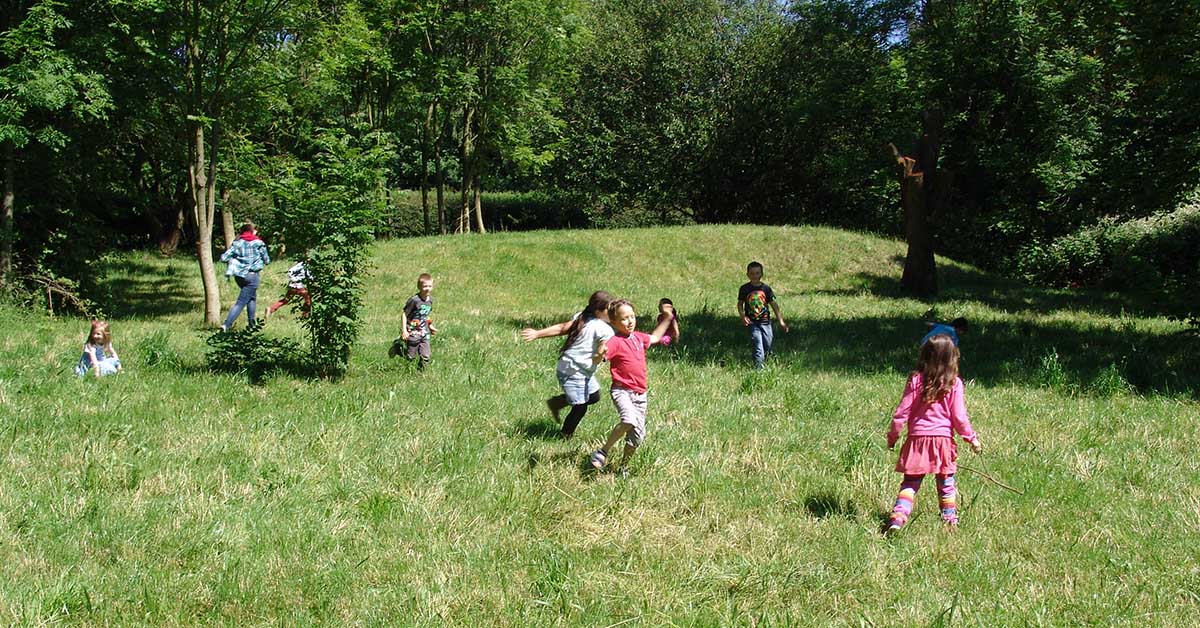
627	357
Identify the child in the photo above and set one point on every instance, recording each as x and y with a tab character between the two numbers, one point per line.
666	310
586	332
933	409
956	328
98	357
753	298
626	353
246	258
416	326
297	276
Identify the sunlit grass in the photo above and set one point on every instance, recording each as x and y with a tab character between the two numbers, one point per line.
172	495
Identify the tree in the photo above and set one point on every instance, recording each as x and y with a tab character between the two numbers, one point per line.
37	79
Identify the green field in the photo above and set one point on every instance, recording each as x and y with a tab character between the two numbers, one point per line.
172	495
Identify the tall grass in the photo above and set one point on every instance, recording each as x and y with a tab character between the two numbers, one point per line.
171	495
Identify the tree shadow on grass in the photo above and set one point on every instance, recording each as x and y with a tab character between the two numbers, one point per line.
1064	354
1001	293
137	289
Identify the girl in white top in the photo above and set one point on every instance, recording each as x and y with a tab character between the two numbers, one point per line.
585	332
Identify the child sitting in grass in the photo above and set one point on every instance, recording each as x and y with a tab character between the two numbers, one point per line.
626	353
933	410
98	357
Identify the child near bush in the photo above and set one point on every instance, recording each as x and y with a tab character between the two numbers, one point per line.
98	357
416	325
626	354
297	287
933	411
586	332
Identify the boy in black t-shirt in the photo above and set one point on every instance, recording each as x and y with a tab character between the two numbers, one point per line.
417	325
754	298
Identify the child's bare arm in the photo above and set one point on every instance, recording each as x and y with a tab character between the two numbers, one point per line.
742	313
663	325
778	315
403	325
601	352
560	329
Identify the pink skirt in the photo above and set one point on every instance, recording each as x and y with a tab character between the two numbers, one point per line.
928	454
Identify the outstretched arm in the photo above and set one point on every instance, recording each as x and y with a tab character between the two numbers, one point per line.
559	329
663	325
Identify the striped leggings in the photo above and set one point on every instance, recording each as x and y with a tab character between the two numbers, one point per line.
907	499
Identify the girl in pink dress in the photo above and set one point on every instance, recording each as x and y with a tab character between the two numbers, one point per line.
933	410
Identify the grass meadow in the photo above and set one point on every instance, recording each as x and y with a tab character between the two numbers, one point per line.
170	495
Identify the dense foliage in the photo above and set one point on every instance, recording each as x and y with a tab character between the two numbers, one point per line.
1062	119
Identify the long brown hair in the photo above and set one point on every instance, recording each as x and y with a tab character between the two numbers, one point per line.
104	330
938	365
598	301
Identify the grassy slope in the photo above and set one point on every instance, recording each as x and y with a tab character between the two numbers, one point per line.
171	495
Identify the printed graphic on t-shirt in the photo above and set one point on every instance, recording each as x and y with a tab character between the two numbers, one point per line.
756	305
418	312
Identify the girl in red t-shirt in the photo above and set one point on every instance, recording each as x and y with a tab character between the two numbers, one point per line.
626	354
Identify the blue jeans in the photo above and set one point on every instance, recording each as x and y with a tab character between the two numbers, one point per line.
247	298
762	335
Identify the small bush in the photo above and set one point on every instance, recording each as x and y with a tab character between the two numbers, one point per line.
1158	255
155	350
1110	382
248	351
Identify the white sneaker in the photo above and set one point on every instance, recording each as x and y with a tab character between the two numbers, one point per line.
599	459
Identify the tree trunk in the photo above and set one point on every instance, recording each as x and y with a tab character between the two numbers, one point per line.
169	242
441	172
201	172
227	219
464	216
426	131
6	213
202	217
924	190
478	206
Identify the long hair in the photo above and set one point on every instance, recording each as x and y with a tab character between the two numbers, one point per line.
598	301
105	333
938	365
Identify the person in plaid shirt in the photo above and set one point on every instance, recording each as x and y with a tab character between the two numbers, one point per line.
246	258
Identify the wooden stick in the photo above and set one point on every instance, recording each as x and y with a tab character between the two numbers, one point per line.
991	479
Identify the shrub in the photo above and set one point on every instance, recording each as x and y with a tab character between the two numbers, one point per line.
331	213
1159	254
248	351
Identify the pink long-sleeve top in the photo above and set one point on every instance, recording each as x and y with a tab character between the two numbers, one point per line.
945	417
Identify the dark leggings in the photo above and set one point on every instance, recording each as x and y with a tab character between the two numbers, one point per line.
576	414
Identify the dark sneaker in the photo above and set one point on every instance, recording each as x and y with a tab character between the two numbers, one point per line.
396	348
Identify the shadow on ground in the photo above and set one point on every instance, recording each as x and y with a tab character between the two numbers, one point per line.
968	284
136	289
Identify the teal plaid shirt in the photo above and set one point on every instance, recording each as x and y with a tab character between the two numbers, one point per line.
245	257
